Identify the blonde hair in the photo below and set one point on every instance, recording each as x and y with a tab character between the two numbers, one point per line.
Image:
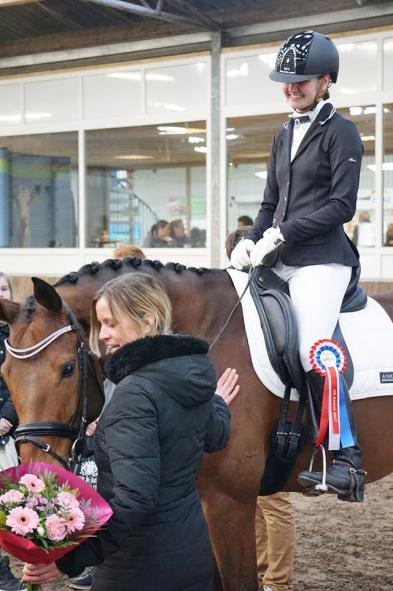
124	250
133	296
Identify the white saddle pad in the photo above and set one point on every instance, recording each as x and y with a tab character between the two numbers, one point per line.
368	335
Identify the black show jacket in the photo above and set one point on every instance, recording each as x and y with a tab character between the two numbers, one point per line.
312	197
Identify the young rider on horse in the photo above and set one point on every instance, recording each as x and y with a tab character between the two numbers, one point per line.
311	191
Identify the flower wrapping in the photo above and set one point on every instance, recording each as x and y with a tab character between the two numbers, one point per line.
57	536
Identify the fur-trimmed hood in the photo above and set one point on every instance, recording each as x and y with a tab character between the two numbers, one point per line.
178	363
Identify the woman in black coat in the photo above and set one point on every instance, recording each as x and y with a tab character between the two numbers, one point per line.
149	444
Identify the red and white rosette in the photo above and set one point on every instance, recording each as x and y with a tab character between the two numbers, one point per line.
328	359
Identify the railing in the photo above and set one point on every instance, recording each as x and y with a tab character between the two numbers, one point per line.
129	217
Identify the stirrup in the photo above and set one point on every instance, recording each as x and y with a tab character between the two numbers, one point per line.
316	490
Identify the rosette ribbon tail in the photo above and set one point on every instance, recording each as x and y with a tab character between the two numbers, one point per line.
33	587
348	433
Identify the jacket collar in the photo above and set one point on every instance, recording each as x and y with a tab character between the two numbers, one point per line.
137	354
315	129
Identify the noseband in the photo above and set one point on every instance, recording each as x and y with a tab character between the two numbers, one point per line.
32	432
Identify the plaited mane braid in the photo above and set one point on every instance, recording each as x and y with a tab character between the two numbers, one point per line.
134	262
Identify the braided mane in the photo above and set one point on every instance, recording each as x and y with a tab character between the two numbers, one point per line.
116	264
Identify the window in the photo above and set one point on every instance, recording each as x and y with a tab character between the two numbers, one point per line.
362	228
147	186
387	175
249	141
39	190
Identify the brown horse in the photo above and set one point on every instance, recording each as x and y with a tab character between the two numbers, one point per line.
44	387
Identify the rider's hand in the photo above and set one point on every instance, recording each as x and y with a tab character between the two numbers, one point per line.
227	386
240	256
272	238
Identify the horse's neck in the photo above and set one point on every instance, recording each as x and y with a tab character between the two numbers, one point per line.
200	303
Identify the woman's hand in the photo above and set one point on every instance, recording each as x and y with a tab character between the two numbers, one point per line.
5	426
91	428
227	386
41	573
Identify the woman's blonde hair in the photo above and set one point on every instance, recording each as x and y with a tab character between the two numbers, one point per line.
133	296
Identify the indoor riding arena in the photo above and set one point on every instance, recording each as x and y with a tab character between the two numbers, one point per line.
228	155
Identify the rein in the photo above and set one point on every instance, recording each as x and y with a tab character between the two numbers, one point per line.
32	432
231	313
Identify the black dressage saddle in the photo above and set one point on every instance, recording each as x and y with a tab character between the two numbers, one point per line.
277	317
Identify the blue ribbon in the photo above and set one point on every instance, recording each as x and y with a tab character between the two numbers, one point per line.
346	435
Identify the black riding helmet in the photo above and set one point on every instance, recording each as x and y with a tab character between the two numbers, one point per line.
306	55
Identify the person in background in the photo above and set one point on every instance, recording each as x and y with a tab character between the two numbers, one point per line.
150	439
8	423
178	233
124	250
244	221
274	517
159	235
364	230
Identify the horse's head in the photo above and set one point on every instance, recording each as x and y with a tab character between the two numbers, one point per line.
50	374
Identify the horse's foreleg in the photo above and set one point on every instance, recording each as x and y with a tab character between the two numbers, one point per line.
232	533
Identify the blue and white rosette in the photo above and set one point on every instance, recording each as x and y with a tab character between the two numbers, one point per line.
328	359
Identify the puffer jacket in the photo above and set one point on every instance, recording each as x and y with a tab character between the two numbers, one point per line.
150	441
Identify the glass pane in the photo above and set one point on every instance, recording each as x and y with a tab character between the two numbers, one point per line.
249	141
39	190
140	176
387	64
177	88
52	100
358	68
247	81
362	228
387	171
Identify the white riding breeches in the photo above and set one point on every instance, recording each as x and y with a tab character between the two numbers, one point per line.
317	293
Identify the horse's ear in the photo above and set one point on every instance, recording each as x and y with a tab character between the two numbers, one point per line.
8	310
46	295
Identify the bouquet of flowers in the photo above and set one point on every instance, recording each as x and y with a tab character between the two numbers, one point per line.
45	511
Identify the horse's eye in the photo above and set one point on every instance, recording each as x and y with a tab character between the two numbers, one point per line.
68	370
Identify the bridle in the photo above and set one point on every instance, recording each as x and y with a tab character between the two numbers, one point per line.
32	432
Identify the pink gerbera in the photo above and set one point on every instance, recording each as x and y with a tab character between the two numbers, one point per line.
74	520
55	528
32	483
12	496
22	520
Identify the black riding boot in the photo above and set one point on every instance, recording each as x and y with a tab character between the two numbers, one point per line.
345	476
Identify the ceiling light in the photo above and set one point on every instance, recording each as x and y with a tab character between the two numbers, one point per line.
367	138
133	157
261	174
126	75
201	149
355	111
34	116
232	136
194	139
178	130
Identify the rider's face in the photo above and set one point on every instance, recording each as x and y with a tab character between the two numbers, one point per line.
115	332
302	96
